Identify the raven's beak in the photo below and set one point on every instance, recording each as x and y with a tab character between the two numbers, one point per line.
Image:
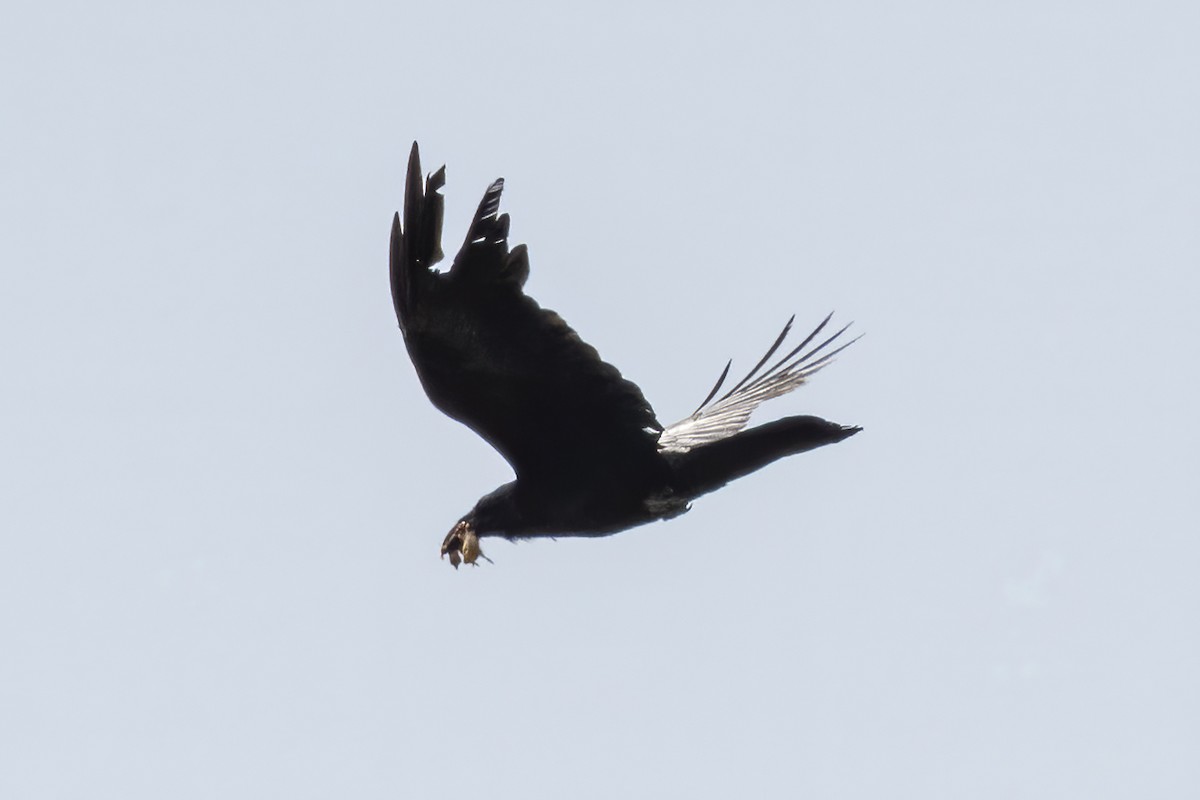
462	545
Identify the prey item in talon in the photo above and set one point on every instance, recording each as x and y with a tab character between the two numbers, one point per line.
462	545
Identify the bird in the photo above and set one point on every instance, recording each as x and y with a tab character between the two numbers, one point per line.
589	455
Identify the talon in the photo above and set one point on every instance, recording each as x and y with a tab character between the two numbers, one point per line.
462	545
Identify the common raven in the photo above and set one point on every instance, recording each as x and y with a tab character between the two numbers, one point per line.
590	456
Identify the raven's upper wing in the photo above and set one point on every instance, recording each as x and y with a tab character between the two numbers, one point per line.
491	358
728	414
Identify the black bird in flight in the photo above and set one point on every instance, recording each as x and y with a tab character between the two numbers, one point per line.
590	456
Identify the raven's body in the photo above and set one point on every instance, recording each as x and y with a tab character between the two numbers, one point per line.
589	454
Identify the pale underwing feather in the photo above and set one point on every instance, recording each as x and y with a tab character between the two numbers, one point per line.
724	417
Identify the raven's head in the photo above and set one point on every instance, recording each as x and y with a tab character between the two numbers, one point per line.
462	544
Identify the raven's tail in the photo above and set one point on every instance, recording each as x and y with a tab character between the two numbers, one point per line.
707	468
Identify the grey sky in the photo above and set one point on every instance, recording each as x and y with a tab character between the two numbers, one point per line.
224	490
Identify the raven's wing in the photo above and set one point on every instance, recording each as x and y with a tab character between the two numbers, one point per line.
721	418
491	358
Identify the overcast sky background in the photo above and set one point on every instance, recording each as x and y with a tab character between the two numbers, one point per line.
223	490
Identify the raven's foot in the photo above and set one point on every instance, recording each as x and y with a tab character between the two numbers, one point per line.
462	545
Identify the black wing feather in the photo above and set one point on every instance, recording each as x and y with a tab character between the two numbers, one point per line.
491	358
417	245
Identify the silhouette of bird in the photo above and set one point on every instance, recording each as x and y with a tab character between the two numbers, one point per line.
590	456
